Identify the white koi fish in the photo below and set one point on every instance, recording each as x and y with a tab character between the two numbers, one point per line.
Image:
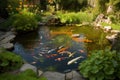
74	60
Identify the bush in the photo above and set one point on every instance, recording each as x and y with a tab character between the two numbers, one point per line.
101	65
26	75
73	17
24	21
9	61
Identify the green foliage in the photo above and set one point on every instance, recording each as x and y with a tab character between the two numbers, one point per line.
12	6
9	61
24	21
73	17
26	75
101	65
113	25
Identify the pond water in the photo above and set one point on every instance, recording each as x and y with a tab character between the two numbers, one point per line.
59	48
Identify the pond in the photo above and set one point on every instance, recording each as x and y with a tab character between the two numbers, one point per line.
59	48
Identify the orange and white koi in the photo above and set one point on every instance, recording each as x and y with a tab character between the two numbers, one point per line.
62	49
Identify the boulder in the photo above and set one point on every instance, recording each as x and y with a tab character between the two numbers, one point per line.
107	28
39	72
73	75
7	45
54	75
28	66
111	38
115	31
6	38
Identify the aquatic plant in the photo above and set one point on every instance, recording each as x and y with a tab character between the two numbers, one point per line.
101	65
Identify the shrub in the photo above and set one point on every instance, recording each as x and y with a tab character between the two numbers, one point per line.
9	61
24	21
73	17
26	75
101	65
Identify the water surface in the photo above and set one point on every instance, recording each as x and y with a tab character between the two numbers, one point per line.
51	48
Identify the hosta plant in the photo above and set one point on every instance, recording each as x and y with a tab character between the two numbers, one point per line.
101	65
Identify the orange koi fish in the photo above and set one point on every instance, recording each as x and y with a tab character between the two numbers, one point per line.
77	39
60	59
87	40
81	40
62	49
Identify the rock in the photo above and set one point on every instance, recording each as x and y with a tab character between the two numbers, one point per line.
7	45
40	72
99	17
28	66
69	76
6	38
111	38
115	31
107	28
73	75
54	75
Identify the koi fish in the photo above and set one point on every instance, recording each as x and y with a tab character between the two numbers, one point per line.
50	56
78	39
60	59
74	60
40	54
82	51
71	54
51	50
65	52
81	40
87	40
33	62
62	49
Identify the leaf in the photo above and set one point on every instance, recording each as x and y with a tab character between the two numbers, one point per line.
92	78
109	70
94	69
5	63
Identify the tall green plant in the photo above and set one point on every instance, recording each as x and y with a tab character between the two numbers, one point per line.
101	65
73	17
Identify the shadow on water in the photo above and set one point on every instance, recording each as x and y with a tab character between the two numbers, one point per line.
59	48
